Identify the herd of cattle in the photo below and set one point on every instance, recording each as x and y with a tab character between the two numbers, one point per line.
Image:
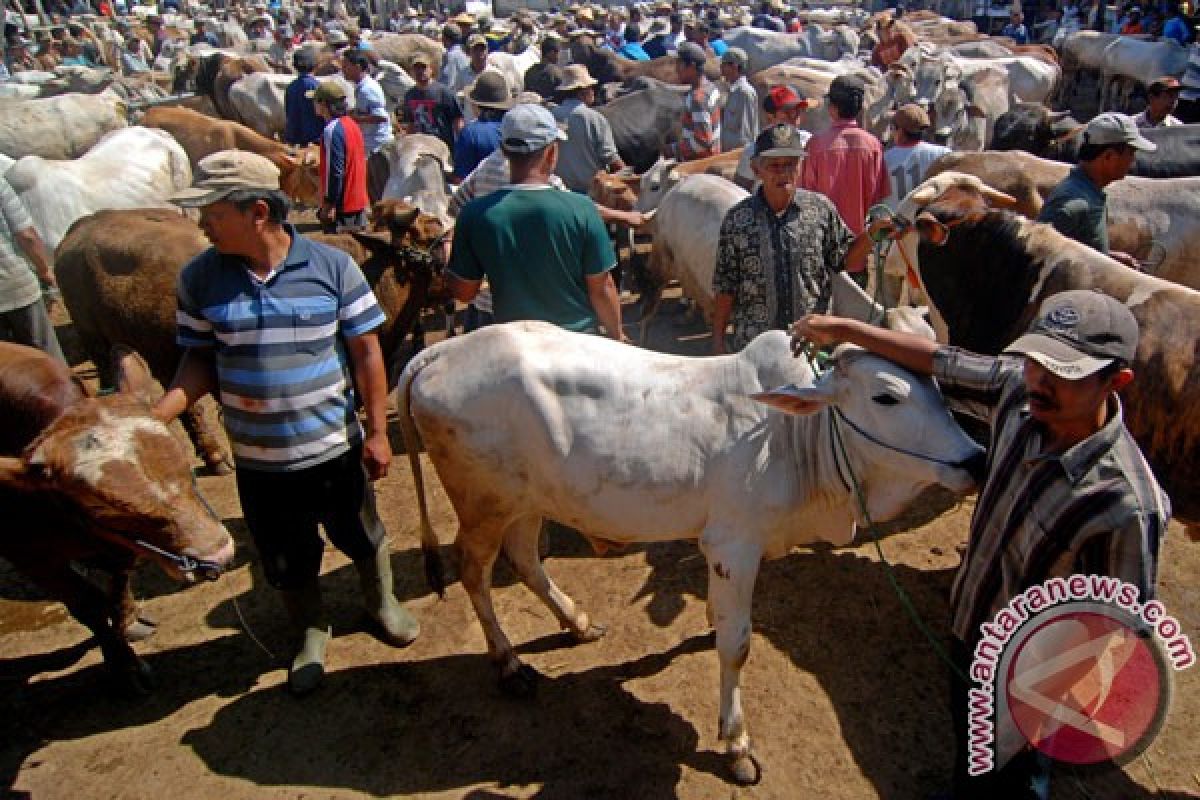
108	485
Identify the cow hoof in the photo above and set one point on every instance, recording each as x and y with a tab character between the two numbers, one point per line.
140	629
134	679
221	468
746	769
520	684
594	631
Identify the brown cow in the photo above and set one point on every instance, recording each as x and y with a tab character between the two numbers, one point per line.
117	271
200	135
102	483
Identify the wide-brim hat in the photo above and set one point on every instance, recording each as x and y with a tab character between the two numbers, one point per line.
576	76
463	18
490	90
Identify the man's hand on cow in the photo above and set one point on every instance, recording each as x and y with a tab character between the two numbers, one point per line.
818	330
377	455
881	228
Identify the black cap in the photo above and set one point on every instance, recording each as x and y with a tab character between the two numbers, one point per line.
847	86
1079	333
780	141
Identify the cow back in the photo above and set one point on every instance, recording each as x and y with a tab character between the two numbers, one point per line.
35	390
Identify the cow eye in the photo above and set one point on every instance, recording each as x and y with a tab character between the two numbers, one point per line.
885	399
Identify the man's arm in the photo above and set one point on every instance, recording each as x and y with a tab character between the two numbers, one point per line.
856	256
370	377
462	289
631	219
910	351
722	310
31	245
196	377
602	293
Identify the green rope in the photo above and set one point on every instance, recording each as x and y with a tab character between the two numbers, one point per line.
815	360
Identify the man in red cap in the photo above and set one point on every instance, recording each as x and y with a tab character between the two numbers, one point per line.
781	106
1161	99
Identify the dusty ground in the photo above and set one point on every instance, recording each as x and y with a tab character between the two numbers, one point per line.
844	697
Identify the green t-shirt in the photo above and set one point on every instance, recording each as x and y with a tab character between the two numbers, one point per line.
535	245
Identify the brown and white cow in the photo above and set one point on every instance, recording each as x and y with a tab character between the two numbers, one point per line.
98	481
986	273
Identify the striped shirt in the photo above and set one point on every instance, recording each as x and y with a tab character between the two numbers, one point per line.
1095	509
18	284
701	123
283	374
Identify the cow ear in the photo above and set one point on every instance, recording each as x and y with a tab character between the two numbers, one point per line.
395	216
930	229
797	400
133	376
374	242
19	475
975	111
924	195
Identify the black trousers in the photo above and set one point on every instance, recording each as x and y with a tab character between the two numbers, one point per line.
283	509
1025	777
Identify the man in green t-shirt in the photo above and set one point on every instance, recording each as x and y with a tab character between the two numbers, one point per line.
545	253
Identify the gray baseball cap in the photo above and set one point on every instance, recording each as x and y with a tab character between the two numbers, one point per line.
527	128
780	141
1078	333
735	55
222	173
1114	128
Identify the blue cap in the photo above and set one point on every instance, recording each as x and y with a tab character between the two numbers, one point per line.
527	128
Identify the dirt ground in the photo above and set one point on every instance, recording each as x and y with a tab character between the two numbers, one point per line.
844	697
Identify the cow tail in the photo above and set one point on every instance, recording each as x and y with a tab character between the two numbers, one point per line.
430	547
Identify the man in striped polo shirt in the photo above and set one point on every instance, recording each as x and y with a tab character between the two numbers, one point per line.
1067	490
280	329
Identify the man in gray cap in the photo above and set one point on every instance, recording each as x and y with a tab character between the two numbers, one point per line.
281	330
739	118
701	120
1078	208
560	275
1066	489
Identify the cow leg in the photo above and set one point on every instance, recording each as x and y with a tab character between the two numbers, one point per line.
125	615
521	542
478	547
732	570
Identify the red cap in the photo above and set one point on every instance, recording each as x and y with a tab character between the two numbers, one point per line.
783	97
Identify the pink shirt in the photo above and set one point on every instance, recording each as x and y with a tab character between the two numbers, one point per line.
845	163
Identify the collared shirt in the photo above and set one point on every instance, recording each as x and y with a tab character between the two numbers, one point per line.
479	139
456	69
1078	209
778	267
492	174
284	379
589	147
1142	120
302	123
18	284
701	123
369	99
1095	509
845	163
739	119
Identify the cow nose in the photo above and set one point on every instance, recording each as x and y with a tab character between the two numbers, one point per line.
976	466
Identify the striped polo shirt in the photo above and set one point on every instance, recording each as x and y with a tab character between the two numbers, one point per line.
283	373
1095	509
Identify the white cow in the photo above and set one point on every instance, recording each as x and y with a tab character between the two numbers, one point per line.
130	168
513	67
416	173
1130	63
59	127
767	48
746	481
687	228
258	99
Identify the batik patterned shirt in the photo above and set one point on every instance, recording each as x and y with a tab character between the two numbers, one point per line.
778	267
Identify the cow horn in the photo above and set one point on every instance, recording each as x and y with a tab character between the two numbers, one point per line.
924	195
996	198
15	474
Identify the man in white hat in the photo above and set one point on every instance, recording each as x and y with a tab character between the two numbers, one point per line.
281	330
1077	207
589	147
561	275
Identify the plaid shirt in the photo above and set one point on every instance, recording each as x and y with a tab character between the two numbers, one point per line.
1095	509
701	123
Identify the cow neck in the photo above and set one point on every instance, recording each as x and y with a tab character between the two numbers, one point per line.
822	479
980	279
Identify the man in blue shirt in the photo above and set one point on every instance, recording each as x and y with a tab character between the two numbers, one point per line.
632	49
481	137
372	115
302	125
1177	27
281	329
1015	29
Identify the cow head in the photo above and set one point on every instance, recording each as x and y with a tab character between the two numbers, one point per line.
421	239
299	174
1035	129
889	433
656	182
125	475
615	191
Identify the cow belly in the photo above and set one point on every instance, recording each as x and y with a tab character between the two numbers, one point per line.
640	452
